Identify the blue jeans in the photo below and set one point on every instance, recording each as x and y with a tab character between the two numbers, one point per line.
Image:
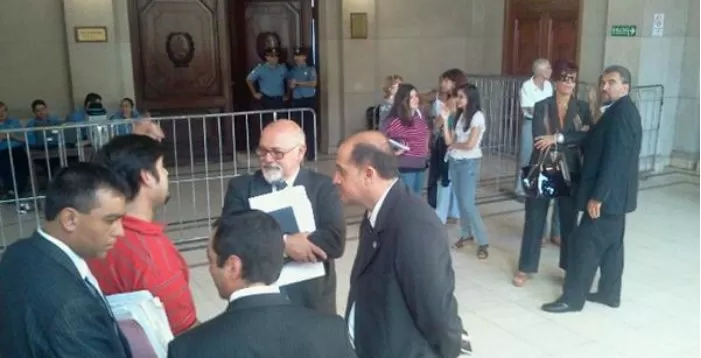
414	180
465	176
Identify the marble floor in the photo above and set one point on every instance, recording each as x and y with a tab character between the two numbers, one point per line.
659	315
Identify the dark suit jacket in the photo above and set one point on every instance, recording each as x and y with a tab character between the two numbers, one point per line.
577	116
402	284
330	236
265	326
611	156
47	310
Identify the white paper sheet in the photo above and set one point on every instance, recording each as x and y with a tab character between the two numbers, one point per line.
148	312
296	198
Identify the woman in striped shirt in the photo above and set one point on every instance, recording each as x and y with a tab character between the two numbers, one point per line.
406	125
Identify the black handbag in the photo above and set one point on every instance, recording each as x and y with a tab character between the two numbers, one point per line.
549	178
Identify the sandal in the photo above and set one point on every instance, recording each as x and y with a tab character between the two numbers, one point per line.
520	279
462	242
482	252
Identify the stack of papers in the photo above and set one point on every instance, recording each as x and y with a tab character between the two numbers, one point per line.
293	211
143	321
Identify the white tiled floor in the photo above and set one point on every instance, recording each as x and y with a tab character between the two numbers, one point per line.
659	316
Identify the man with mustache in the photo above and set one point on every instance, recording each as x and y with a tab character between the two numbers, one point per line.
144	258
281	152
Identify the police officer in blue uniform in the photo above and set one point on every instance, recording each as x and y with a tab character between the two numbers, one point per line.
267	82
302	81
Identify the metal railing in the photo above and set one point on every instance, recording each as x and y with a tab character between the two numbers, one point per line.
205	152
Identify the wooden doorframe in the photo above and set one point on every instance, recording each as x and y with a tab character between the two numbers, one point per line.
224	102
508	45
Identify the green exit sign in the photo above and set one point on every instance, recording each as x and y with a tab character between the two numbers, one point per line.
624	30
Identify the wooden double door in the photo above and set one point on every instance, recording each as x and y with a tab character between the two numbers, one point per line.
539	29
192	57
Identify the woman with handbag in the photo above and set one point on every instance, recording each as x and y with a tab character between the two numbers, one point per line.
560	123
464	154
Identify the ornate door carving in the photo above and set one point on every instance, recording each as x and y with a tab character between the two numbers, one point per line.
180	54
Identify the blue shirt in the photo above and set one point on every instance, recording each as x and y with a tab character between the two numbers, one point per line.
79	116
271	79
9	123
36	138
123	129
303	74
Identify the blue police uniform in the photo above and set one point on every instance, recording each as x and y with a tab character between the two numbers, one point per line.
304	97
124	129
271	83
37	138
14	165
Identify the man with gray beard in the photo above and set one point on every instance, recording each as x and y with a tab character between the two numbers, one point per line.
281	152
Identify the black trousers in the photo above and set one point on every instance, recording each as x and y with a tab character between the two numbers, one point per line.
536	215
268	103
597	243
20	167
306	121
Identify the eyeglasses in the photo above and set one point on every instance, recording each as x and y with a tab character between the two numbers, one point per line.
276	153
568	78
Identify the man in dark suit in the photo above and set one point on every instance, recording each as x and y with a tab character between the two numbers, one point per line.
245	259
401	301
50	303
608	191
281	152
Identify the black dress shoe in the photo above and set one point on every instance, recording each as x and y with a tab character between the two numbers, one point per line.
595	297
559	307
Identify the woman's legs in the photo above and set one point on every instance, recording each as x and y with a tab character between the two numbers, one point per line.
414	180
443	200
465	175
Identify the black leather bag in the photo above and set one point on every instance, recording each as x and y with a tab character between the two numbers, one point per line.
549	178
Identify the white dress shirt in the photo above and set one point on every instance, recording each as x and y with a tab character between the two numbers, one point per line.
78	261
253	290
531	94
372	218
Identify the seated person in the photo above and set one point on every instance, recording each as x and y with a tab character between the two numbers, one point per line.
14	162
144	258
245	255
42	118
81	115
126	111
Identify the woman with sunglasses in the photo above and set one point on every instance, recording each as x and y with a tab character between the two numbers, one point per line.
559	122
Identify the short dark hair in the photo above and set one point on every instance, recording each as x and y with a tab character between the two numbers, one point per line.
256	239
128	156
3	105
456	75
38	102
385	163
564	66
91	97
626	77
128	100
75	187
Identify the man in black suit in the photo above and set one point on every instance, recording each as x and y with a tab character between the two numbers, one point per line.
401	301
281	152
608	191
50	303
245	259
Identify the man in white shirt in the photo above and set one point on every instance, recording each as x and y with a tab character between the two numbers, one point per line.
245	259
50	303
534	90
401	301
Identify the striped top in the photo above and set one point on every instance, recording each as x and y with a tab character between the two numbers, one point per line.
416	136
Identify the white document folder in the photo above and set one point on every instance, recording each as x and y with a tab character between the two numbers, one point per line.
140	309
297	199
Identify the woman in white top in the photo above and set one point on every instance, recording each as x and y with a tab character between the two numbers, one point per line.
464	154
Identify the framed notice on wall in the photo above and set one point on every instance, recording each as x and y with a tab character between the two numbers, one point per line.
90	33
359	25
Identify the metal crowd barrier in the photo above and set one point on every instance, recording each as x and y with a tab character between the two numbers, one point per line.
500	145
205	152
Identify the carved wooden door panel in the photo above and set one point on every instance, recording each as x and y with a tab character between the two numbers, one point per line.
283	18
181	55
527	43
562	42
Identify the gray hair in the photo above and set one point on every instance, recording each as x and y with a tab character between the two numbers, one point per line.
539	63
626	77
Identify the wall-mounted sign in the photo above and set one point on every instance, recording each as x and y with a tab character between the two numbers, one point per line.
624	30
359	25
90	34
658	24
